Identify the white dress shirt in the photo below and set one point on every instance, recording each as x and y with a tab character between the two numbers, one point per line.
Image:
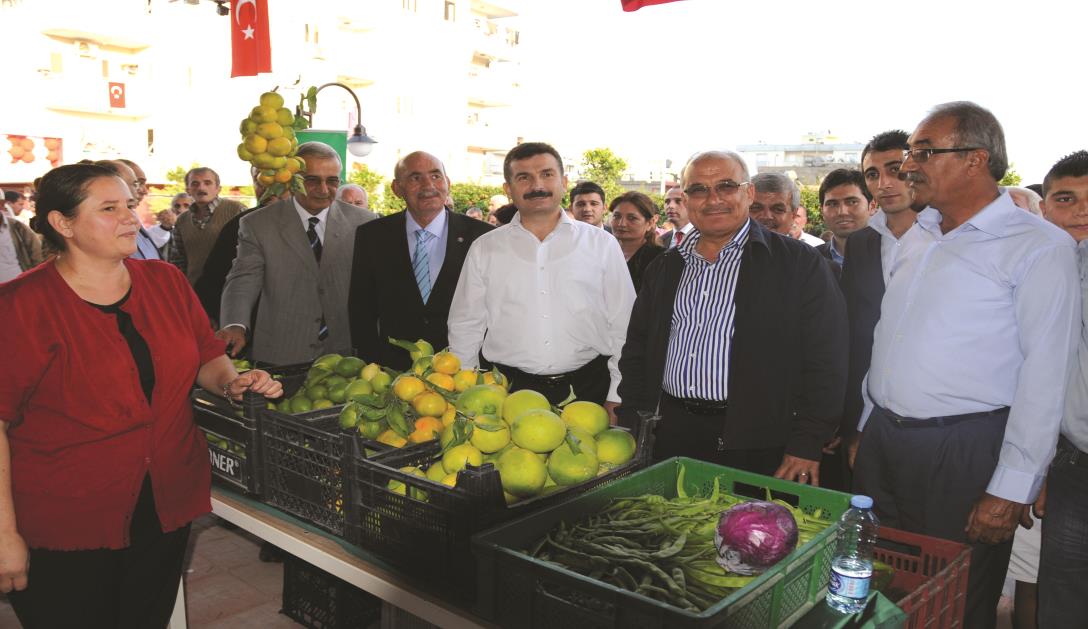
159	235
436	247
982	317
1075	420
544	307
304	215
809	239
889	244
685	230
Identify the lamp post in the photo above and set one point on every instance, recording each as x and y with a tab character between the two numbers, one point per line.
359	143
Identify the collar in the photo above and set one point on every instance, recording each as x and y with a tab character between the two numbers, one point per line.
305	214
835	255
992	219
748	231
564	219
214	203
436	227
686	229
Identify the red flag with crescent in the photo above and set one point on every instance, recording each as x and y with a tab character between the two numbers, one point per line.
251	49
635	5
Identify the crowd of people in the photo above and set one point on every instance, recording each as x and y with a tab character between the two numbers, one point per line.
930	354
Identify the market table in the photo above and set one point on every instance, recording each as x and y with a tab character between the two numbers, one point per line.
341	560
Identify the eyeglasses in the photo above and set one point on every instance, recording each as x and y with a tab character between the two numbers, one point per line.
921	156
312	181
724	189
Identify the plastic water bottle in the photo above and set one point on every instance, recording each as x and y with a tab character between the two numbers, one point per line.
852	567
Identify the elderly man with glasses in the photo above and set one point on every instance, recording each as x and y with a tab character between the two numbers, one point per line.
978	326
738	337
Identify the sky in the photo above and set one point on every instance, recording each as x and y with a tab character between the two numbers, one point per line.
669	80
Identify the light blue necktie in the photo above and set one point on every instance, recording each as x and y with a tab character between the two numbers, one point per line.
421	263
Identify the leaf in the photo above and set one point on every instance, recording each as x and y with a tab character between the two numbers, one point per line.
407	346
489	427
574	443
369	399
396	419
570	398
311	99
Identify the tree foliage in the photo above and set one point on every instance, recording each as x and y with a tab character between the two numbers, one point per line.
466	195
810	200
367	179
604	168
1011	178
390	202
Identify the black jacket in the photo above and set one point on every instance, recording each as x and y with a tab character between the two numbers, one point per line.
825	251
384	301
636	266
863	288
787	367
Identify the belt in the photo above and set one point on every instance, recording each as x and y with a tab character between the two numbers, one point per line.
696	406
554	380
940	422
1075	455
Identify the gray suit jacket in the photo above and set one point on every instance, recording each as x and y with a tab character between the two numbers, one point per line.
275	263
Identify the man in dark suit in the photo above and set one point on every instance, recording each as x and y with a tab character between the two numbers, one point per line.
677	215
870	254
846	205
738	337
407	264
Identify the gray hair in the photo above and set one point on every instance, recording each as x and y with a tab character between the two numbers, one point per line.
319	150
717	154
976	127
1029	199
399	168
180	195
777	182
349	186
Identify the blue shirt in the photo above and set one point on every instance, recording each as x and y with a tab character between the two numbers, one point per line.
697	362
436	247
145	247
1075	420
982	317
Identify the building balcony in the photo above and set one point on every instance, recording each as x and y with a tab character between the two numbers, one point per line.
493	40
490	88
91	96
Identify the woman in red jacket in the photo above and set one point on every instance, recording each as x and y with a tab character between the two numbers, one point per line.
101	466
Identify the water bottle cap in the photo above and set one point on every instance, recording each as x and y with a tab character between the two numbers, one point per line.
861	502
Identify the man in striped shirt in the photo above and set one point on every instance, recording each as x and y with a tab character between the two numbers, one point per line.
737	338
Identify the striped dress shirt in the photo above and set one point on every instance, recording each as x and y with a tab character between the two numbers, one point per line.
697	362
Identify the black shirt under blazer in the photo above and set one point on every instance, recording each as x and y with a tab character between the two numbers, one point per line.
863	288
787	367
384	299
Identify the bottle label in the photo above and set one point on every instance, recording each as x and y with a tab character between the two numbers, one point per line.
848	586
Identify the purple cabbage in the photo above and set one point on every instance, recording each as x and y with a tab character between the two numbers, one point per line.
753	536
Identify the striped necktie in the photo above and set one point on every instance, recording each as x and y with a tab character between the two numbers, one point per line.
315	241
421	263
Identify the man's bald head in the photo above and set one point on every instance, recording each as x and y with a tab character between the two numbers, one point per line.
713	155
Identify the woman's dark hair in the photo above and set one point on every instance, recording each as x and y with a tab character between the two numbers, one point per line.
62	190
644	205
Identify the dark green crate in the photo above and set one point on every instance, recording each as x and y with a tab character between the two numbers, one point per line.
515	590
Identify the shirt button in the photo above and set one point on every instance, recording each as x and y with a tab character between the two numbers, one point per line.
547	342
693	355
147	459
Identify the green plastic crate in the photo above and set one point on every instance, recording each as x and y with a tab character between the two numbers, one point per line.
516	590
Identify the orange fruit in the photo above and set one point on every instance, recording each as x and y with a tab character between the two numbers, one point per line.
392	439
489	378
408	387
449	416
447	363
429	403
464	379
442	380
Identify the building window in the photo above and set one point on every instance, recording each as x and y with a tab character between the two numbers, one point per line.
450	13
408	5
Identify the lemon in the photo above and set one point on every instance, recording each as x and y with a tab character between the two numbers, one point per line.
248	127
615	446
271	100
449	480
522	473
348	366
487	441
284	117
450	415
456	458
464	379
356	388
538	430
244	153
371	430
255	144
436	472
519	402
279	147
317	391
408	387
262	160
349	417
429	404
587	415
585	440
446	362
441	381
261	114
367	373
481	399
301	405
391	438
381	382
271	131
322	403
567	468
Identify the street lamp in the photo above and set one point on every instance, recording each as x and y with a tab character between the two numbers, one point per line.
359	143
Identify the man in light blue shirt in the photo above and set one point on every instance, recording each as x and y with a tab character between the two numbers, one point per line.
970	357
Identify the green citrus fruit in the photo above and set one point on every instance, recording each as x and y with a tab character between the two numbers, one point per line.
589	416
522	473
615	446
481	399
490	440
567	468
271	99
456	458
538	430
520	401
301	405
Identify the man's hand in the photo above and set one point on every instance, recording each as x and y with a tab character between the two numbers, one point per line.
799	470
832	446
1039	508
611	408
235	338
852	448
993	520
14	562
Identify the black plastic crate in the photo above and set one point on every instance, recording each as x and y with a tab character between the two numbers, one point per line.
318	600
232	431
432	536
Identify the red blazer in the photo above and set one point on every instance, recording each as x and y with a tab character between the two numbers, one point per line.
81	433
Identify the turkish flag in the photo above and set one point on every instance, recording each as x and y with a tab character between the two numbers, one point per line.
635	5
251	49
117	95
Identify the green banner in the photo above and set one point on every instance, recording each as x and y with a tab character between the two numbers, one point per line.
338	140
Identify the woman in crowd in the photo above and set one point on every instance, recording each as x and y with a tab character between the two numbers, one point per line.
102	469
633	221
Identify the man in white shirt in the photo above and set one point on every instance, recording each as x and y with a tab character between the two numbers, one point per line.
677	213
546	299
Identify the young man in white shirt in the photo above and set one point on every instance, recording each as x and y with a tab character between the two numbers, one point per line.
546	298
